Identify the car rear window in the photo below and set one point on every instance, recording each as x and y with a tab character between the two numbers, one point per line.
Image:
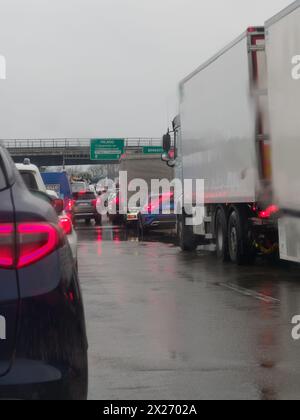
2	179
78	187
29	179
84	196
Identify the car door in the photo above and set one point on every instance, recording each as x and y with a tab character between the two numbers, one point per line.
9	296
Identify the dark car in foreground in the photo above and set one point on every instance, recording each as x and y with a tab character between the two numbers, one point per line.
158	214
85	207
43	344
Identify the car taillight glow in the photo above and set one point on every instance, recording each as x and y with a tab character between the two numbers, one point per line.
29	243
36	241
152	207
155	205
70	205
66	225
268	212
94	203
6	246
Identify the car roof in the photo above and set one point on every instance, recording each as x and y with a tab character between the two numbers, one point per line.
29	168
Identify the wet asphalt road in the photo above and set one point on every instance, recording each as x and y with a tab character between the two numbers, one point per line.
167	325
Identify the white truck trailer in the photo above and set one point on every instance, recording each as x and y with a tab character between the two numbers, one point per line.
225	141
227	109
283	56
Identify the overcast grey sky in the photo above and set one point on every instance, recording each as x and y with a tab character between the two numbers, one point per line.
105	68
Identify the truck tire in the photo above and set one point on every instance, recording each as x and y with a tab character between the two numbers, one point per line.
187	239
221	236
241	249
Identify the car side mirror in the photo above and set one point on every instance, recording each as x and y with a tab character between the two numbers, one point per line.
167	142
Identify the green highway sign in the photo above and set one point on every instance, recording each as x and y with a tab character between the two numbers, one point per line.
153	150
107	149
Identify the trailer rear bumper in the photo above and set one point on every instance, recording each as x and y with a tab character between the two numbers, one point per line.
289	238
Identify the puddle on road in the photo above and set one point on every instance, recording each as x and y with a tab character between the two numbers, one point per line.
113	233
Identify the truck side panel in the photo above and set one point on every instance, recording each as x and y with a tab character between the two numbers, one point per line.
219	127
283	55
283	48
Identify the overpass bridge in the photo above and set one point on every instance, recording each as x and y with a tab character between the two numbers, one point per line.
61	152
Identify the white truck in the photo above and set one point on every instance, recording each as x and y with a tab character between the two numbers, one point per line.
283	56
234	111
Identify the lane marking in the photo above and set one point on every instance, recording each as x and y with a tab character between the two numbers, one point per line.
250	293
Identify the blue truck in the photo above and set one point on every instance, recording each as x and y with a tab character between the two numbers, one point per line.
58	182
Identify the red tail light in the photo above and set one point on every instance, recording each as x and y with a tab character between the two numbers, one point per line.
70	204
66	225
155	204
94	203
31	242
269	212
36	241
6	246
152	207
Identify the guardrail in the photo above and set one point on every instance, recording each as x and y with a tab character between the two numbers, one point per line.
133	142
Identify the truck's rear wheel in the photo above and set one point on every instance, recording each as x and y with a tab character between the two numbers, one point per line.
222	236
241	249
186	237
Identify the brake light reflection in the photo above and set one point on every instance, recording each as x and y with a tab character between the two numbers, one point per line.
116	237
99	241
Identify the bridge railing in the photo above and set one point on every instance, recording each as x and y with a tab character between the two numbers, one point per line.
134	142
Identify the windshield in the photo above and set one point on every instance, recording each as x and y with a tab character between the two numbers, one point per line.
84	196
2	179
78	187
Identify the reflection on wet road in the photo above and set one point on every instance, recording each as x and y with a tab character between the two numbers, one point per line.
167	325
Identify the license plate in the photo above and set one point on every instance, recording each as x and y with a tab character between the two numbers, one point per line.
132	217
83	205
